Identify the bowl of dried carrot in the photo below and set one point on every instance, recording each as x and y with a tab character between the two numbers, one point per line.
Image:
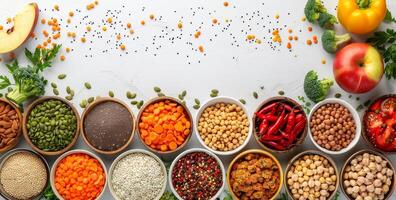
164	125
78	173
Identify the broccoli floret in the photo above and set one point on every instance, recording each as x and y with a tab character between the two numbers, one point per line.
331	42
327	20
27	84
313	9
316	89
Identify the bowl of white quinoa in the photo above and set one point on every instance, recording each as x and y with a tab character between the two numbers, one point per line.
24	174
137	174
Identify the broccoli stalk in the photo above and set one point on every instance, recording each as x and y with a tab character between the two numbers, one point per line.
331	42
315	89
316	12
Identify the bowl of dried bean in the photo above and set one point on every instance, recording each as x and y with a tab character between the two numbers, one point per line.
78	173
223	125
255	174
197	174
280	124
51	125
368	174
311	175
334	126
10	125
164	125
137	174
24	174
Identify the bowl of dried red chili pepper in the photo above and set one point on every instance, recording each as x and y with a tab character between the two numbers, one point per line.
280	124
197	174
379	123
255	174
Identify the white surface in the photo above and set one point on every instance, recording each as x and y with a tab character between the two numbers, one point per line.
235	71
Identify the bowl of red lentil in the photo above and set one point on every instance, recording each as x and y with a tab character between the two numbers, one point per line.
255	174
223	126
78	173
197	174
24	174
11	125
334	126
164	125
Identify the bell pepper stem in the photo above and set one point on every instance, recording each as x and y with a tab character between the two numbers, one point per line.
363	4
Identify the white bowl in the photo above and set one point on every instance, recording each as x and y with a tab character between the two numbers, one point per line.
355	116
192	151
126	153
211	102
76	151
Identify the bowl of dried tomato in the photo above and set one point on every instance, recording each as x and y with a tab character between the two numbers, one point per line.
279	124
255	174
379	123
197	174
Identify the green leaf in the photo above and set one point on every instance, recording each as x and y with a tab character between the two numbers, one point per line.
227	196
388	17
390	70
4	82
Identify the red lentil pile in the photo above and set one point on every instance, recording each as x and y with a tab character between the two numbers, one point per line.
197	175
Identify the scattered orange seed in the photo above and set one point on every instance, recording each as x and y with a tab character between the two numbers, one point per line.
323	61
197	34
83	39
250	37
45	44
56	7
104	28
303	19
56	36
45	33
1	27
315	39
96	2
49	40
62	58
151	16
289	46
90	6
258	41
290	30
68	20
179	25
73	34
143	22
295	38
122	47
225	3
88	28
277	16
290	38
310	28
67	49
118	37
110	20
201	49
131	31
214	21
9	20
71	13
309	42
54	20
39	46
129	25
43	21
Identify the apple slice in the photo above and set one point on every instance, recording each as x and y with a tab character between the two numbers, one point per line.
24	23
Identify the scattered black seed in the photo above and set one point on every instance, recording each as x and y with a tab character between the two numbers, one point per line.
281	92
255	95
337	95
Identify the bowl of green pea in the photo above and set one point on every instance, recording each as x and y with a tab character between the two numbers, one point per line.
51	125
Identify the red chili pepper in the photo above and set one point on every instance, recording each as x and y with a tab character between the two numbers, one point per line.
268	117
299	117
263	127
297	130
268	108
287	107
271	138
274	145
290	122
275	127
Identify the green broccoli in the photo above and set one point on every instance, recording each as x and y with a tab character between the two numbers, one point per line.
331	42
28	80
316	12
315	89
327	20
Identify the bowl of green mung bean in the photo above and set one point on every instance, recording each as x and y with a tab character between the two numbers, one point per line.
51	125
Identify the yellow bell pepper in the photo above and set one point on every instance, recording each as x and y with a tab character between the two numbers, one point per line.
361	16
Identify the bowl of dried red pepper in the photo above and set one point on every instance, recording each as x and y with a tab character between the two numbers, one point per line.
197	174
279	124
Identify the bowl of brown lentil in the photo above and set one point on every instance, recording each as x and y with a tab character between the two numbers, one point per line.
10	125
368	174
108	125
197	174
255	174
51	125
24	174
311	175
223	126
165	125
334	126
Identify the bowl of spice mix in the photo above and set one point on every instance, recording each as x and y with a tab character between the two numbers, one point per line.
24	175
51	125
10	125
311	175
137	174
368	174
255	174
334	126
223	126
280	124
165	125
78	174
197	174
108	125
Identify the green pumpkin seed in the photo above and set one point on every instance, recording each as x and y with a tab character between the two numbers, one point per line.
181	97
214	91
111	93
196	107
184	93
53	85
255	95
87	85
242	101
160	94
157	89
68	89
91	99
213	95
140	104
69	97
61	76
130	95
134	102
197	101
55	91
83	103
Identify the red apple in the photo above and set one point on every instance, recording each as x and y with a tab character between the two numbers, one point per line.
358	68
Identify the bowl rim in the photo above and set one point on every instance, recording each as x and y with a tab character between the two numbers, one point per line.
355	116
223	99
92	105
383	156
255	151
7	154
129	152
193	150
155	100
20	118
311	152
26	115
364	131
71	152
289	101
